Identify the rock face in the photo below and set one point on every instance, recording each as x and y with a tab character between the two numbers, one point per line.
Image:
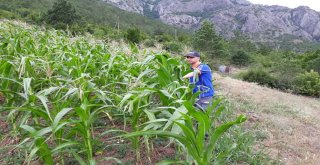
262	23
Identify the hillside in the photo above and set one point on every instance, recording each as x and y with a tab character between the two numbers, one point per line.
287	125
261	23
91	11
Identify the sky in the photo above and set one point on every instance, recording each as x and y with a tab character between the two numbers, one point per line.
313	4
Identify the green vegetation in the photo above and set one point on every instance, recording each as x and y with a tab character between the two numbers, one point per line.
275	68
96	16
259	76
173	46
58	92
308	83
282	68
198	149
61	15
206	40
134	35
240	58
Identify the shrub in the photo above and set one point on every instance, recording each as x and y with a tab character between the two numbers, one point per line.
285	72
172	46
164	38
8	15
260	76
308	83
207	40
240	58
62	15
314	65
133	35
149	43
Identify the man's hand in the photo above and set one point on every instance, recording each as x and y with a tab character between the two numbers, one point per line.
188	75
191	74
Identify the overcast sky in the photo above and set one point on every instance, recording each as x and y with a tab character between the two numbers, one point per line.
313	4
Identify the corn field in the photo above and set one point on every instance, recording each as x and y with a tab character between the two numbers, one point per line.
55	89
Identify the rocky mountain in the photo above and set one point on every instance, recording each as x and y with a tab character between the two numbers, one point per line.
262	23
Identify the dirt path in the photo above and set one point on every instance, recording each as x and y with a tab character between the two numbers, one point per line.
288	125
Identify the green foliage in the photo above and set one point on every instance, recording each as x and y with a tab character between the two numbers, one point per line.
92	12
284	66
163	37
314	65
184	38
264	50
263	61
259	76
193	140
57	88
287	69
206	40
240	58
290	42
308	83
8	14
241	42
61	15
311	60
149	42
173	46
133	35
122	150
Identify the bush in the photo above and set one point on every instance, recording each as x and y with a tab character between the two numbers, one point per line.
314	65
240	58
260	76
149	43
8	14
172	46
164	38
285	72
62	15
133	35
308	83
207	40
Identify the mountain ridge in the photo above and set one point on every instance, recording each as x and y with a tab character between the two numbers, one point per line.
262	23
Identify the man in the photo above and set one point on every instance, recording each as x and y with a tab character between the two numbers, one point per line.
201	77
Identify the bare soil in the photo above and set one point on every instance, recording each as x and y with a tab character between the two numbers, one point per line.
289	123
122	150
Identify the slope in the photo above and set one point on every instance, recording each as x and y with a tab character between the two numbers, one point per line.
92	11
287	125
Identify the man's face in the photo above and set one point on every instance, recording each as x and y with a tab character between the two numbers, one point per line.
191	60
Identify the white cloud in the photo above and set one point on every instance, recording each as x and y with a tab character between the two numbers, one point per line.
313	4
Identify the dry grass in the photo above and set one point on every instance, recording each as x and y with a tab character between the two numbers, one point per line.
289	122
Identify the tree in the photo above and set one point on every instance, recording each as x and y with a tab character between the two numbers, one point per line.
61	15
264	50
243	42
240	58
206	40
134	35
312	61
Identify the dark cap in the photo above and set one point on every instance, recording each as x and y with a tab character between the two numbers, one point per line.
193	54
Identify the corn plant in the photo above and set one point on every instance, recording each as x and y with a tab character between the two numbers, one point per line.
52	93
192	139
56	86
